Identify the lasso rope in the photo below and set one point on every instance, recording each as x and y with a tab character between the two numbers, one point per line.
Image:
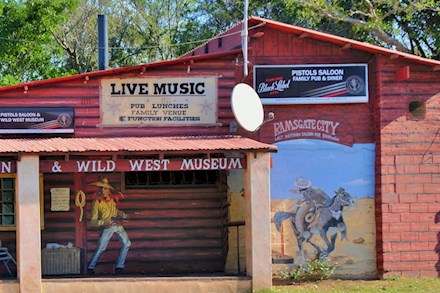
80	201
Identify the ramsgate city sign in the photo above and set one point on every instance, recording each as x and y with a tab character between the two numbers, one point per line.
159	101
311	128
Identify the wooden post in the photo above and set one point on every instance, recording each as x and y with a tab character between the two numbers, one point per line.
257	200
27	186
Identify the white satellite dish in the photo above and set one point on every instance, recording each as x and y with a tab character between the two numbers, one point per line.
247	107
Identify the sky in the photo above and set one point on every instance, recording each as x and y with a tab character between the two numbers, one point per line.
328	165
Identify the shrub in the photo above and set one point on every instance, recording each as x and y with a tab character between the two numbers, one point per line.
314	270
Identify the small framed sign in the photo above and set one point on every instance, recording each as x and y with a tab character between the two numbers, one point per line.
60	199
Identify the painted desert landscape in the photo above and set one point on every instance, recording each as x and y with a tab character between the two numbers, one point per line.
355	258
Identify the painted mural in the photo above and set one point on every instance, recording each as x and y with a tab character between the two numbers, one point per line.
109	219
322	198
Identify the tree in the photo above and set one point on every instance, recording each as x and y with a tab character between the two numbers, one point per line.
44	38
139	31
27	49
408	26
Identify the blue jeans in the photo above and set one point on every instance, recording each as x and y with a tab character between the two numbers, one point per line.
104	239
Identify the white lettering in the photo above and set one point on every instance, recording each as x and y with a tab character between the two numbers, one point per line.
136	165
150	165
187	164
6	167
96	166
111	166
211	164
324	126
235	164
83	166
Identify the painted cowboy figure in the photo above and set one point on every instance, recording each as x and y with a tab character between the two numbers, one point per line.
107	217
313	198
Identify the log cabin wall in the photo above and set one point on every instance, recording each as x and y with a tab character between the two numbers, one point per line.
173	231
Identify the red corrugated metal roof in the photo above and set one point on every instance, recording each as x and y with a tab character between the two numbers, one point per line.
133	144
116	71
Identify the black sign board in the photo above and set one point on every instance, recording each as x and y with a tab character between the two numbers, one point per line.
37	120
311	84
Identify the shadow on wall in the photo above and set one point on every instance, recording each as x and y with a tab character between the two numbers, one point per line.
437	247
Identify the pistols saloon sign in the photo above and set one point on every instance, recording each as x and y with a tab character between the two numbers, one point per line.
159	101
36	120
311	84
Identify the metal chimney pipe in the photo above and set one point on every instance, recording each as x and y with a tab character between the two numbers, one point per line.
102	42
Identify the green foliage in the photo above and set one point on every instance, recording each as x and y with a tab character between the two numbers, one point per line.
27	48
399	24
49	38
314	270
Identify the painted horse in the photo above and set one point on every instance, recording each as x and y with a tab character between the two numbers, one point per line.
327	216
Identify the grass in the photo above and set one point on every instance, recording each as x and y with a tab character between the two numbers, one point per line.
390	285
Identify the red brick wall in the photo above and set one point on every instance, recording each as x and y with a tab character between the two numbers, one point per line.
407	171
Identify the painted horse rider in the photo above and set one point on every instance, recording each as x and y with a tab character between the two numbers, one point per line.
313	199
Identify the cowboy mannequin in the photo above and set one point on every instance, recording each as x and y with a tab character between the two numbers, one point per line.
108	218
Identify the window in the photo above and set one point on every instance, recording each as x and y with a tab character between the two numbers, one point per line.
417	109
8	204
135	180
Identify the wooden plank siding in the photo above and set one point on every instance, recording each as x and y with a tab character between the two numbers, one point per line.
83	96
172	231
273	50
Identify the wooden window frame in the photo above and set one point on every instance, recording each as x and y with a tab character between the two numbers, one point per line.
127	188
14	227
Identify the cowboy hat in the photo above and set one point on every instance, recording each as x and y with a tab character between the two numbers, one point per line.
102	183
302	183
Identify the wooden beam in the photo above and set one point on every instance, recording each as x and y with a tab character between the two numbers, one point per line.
394	56
304	35
257	35
436	68
346	46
